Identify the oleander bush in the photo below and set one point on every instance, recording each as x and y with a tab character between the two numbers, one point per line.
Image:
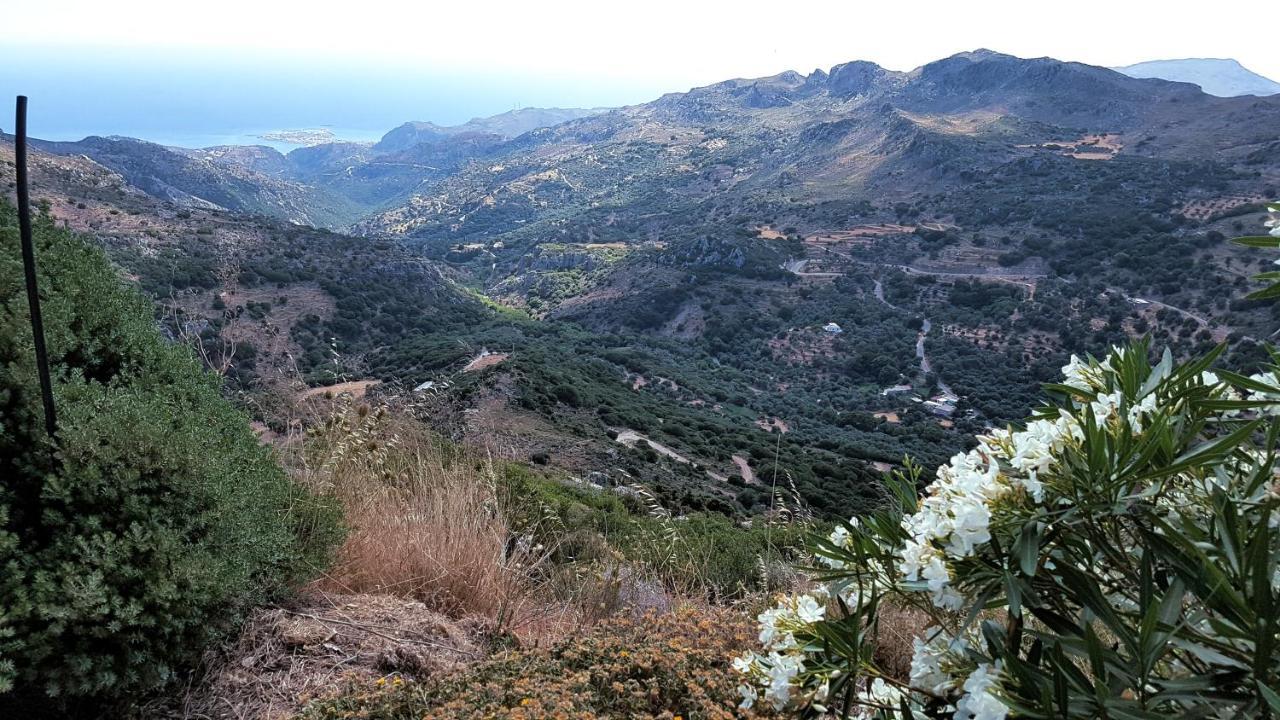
1116	556
153	521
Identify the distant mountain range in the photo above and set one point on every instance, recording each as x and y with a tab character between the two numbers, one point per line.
855	128
968	225
505	125
1221	77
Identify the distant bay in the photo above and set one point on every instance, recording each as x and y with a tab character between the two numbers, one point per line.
231	137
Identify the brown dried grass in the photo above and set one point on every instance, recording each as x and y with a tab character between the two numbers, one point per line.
898	627
426	521
285	655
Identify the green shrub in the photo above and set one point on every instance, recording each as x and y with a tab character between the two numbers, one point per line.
155	520
705	554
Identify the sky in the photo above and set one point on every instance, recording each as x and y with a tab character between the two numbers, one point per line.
235	66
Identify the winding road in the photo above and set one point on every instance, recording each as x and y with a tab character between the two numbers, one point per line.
1024	279
1147	301
925	327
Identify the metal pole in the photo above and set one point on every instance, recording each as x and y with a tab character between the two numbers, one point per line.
29	264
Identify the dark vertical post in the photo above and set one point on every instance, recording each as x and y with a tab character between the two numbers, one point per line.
29	263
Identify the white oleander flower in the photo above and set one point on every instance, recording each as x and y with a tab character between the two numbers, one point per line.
809	610
1078	374
771	635
1105	405
972	522
782	671
927	658
913	556
881	694
979	703
1139	411
749	696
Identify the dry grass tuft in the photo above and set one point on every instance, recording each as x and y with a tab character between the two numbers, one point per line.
898	628
425	521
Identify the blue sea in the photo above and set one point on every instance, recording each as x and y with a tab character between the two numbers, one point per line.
234	136
188	99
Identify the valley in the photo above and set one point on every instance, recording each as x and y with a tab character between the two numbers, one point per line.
643	294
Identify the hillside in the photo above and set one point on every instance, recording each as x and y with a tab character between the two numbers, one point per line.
1028	209
505	125
325	185
571	375
798	278
277	307
1221	77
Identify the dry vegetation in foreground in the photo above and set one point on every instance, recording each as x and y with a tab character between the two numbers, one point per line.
656	666
451	598
426	522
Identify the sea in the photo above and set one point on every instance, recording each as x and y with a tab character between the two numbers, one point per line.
192	100
234	136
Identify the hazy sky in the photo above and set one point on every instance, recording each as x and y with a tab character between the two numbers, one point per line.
457	59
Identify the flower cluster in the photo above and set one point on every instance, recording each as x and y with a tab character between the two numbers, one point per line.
783	662
945	552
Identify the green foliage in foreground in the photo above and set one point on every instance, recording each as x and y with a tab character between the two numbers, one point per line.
702	553
1270	240
153	522
1116	557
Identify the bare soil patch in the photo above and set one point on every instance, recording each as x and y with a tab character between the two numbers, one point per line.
773	423
285	655
355	388
484	360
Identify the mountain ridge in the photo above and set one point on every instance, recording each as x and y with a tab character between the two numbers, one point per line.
340	185
967	226
506	125
1224	77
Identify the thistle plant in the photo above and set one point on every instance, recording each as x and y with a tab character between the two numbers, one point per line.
1113	557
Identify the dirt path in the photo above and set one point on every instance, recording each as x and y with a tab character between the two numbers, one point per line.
992	275
879	291
925	367
744	468
483	360
631	438
356	388
925	327
1147	301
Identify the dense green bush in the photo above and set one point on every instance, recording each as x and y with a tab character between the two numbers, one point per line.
155	519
